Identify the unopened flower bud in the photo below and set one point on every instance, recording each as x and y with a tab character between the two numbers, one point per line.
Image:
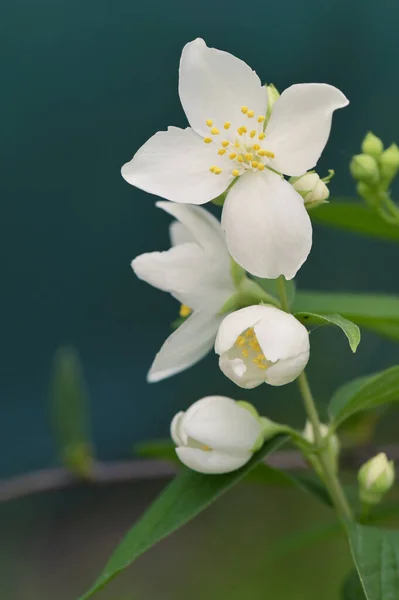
389	162
372	145
376	477
364	168
333	445
312	189
217	434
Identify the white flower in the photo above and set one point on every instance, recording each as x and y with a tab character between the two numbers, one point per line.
376	477
216	435
267	228
196	271
312	189
260	344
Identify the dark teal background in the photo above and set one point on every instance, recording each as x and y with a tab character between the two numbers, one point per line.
84	84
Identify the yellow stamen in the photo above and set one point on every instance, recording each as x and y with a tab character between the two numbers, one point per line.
252	134
222	151
266	153
254	344
255	164
244	109
206	448
240	158
244	352
217	171
240	341
208	140
241	130
227	125
250	114
248	156
256	147
261	136
249	332
184	310
261	119
225	143
261	167
259	361
209	122
232	155
235	172
215	131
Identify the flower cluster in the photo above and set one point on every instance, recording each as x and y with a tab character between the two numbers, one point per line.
243	139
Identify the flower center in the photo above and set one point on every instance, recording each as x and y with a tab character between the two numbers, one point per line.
250	349
185	311
243	147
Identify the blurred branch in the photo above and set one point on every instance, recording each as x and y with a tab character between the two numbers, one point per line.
47	480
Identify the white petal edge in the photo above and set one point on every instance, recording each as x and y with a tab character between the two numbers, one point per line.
174	164
214	84
280	335
300	125
185	346
222	424
234	324
179	234
287	370
236	370
176	431
268	230
212	462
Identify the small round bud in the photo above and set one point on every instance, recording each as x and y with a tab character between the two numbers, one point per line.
372	145
364	168
376	477
333	445
312	189
389	162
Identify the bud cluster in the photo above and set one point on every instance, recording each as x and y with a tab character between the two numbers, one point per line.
374	169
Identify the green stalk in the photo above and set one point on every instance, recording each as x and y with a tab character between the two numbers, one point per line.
330	477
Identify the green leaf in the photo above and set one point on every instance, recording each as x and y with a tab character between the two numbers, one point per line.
182	500
377	312
352	588
69	408
298	540
355	218
351	330
364	393
376	556
262	473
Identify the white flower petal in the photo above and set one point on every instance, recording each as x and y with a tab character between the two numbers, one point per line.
215	85
234	324
179	271
245	375
287	370
280	334
300	125
268	230
175	164
178	435
222	424
203	227
185	346
211	462
178	233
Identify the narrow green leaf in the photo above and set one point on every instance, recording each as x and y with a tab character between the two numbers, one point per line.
182	500
365	393
262	473
376	556
377	312
351	330
356	218
352	588
69	408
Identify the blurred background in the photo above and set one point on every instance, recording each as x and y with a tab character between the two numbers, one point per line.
84	85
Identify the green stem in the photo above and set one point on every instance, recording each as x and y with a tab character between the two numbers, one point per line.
329	475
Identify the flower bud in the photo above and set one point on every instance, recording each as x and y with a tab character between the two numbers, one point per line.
272	95
262	344
372	145
312	189
376	477
389	162
333	445
364	168
217	434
